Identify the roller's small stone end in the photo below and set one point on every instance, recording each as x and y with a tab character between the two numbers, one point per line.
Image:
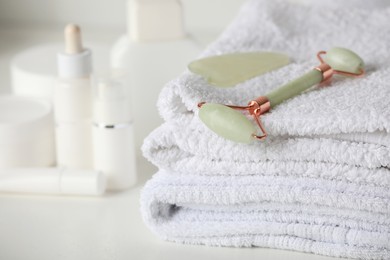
227	122
345	60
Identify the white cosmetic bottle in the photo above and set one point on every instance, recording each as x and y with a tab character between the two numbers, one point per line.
155	50
113	133
72	103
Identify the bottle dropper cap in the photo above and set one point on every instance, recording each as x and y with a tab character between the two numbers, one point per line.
155	20
75	61
73	44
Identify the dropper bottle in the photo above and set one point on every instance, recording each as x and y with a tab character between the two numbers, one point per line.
73	103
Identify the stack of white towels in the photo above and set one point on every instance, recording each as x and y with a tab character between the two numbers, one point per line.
320	182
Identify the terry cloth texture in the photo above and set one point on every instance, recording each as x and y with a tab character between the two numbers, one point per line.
320	182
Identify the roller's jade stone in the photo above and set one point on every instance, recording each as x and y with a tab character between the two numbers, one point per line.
294	87
227	122
344	60
233	125
228	70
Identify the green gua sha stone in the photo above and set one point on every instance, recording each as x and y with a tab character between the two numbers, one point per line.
228	70
227	122
231	124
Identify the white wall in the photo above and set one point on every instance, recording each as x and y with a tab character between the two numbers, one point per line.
108	14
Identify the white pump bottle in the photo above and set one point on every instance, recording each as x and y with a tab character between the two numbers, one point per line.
113	137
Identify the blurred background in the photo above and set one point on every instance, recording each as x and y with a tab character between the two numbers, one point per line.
108	14
24	23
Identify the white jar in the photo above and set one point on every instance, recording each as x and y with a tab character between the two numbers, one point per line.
26	132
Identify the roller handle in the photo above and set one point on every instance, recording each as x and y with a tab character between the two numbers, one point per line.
336	61
294	88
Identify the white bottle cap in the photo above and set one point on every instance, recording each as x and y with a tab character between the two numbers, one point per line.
155	20
111	101
75	65
26	132
78	182
75	61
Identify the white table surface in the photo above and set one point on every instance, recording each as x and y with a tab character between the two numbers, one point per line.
108	227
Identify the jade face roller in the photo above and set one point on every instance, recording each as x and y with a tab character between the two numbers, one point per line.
227	122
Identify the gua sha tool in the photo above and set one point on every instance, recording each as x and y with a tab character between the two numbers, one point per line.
227	122
230	69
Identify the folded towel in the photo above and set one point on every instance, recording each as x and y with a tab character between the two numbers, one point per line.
326	217
320	182
194	148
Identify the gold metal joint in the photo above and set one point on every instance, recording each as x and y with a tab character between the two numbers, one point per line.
326	70
261	105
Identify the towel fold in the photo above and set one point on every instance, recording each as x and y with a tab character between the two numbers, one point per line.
193	147
328	217
320	182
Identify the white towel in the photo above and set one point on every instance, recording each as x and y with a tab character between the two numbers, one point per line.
320	182
329	217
